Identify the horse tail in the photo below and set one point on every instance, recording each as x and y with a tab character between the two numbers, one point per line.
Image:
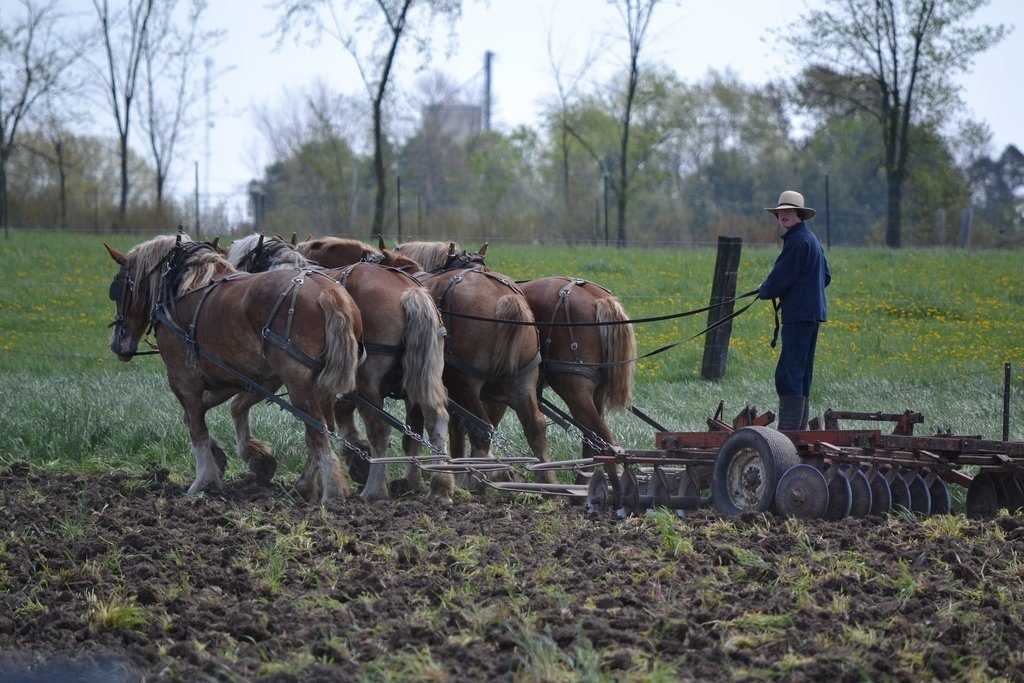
511	307
342	326
423	360
619	345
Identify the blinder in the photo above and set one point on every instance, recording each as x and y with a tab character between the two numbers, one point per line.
116	290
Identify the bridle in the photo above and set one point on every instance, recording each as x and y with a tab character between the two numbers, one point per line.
122	289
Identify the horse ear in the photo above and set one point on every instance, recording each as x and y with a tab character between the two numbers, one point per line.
259	244
115	254
380	242
451	248
483	249
216	243
295	238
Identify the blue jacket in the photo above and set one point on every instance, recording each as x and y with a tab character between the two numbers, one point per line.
799	277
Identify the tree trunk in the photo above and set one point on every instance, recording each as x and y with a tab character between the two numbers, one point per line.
122	207
3	196
894	187
380	199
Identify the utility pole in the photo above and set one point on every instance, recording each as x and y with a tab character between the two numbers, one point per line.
208	63
488	59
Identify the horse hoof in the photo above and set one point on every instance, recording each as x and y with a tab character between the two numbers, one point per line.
263	469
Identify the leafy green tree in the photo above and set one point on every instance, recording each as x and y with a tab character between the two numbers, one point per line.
998	185
732	150
894	60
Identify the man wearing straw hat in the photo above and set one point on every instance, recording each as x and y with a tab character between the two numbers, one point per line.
798	280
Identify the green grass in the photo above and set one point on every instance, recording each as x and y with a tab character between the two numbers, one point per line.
927	330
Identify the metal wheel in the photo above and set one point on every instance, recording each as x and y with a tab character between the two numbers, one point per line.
598	495
920	499
689	486
840	493
630	494
860	488
659	487
1013	487
802	492
881	492
985	496
900	490
939	494
747	470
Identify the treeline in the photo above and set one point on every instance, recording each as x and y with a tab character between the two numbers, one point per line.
713	155
641	157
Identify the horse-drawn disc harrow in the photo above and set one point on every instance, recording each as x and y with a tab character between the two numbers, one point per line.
823	472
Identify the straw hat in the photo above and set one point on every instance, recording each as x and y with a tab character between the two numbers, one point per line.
791	199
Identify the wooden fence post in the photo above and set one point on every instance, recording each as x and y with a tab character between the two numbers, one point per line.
723	288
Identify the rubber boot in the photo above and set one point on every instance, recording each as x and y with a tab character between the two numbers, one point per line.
791	410
806	413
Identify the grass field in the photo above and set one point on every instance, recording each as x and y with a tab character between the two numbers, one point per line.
106	567
927	330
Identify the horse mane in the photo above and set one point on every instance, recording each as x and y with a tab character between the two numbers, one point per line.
430	255
149	258
283	253
395	259
323	242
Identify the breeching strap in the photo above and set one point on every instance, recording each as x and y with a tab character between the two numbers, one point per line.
161	316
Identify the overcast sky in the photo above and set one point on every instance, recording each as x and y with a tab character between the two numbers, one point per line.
690	36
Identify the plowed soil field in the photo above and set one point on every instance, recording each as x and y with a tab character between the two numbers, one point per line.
109	577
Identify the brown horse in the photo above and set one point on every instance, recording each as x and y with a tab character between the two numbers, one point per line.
223	333
402	334
589	366
487	363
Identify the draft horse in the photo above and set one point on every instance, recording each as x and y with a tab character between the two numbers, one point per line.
222	334
486	362
403	337
590	366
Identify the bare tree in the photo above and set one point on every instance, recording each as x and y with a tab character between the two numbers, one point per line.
33	59
636	16
124	36
894	59
58	146
388	22
170	55
566	86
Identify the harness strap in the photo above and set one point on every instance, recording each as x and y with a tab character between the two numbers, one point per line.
467	369
284	342
554	366
481	428
160	314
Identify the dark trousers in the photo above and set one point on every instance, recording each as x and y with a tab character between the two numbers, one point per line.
795	370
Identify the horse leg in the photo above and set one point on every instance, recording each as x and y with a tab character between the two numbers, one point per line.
208	470
435	420
256	454
523	399
354	446
377	432
467	394
211	399
320	460
586	407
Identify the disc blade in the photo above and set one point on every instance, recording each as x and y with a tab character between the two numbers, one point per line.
802	492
